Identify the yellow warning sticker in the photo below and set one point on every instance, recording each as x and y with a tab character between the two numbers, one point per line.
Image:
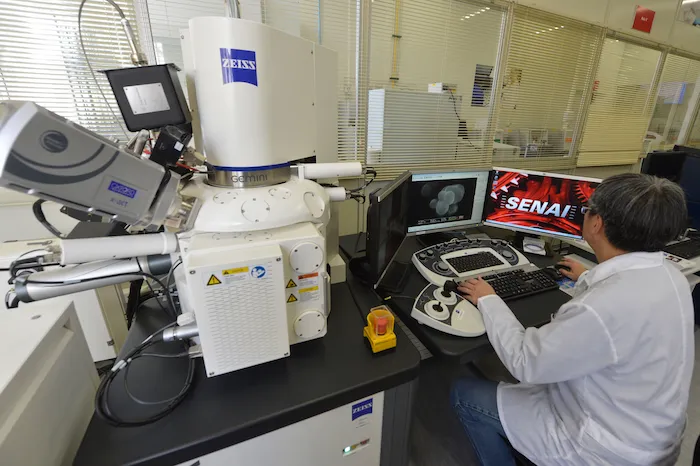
292	298
235	271
213	281
308	290
291	284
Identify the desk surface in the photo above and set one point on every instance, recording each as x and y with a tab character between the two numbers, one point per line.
318	376
531	311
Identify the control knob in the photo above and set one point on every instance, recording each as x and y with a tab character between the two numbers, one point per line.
442	267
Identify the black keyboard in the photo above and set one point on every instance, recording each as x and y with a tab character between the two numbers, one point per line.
516	284
480	260
687	249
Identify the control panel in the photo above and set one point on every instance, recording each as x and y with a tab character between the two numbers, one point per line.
461	258
448	312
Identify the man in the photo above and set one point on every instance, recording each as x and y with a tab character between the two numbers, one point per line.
606	381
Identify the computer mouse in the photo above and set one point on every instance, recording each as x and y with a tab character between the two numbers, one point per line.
561	266
554	273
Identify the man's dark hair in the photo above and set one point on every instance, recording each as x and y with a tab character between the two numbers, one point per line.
640	212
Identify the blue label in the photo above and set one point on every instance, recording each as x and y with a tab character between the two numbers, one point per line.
122	189
258	271
239	66
361	408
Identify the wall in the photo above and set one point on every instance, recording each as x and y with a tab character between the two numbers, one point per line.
619	16
18	222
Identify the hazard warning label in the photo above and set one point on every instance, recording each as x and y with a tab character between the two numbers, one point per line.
309	294
213	281
291	284
292	298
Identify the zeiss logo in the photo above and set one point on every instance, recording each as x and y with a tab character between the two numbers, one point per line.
257	271
122	189
361	408
239	66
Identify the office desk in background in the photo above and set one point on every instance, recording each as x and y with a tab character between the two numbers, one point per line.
532	311
219	412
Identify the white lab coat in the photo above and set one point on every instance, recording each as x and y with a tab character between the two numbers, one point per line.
607	381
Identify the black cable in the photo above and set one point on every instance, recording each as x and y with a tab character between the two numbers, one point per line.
167	283
170	313
102	408
41	218
28	263
459	118
454	104
156	402
369	171
133	301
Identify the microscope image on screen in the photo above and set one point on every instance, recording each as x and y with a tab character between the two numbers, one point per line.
447	200
439	201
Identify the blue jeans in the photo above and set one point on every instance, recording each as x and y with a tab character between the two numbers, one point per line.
474	401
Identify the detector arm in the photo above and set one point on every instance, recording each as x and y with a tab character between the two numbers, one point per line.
45	155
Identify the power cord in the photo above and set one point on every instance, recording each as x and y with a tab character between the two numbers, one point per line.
102	407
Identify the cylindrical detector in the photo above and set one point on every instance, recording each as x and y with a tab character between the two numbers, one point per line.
255	93
315	171
72	279
78	251
336	194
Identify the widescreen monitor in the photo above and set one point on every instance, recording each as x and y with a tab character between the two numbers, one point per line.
537	202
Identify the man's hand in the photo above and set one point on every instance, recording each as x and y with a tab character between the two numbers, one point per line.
574	268
474	289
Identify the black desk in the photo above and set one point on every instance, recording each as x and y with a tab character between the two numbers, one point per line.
320	375
532	311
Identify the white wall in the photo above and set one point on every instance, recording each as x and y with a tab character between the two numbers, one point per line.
17	219
619	16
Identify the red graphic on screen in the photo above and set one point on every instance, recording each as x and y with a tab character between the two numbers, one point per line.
536	201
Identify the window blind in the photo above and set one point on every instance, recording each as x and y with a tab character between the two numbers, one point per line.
168	17
678	80
549	65
41	59
694	136
620	106
413	44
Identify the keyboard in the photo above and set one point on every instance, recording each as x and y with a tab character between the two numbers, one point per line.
480	260
687	249
515	284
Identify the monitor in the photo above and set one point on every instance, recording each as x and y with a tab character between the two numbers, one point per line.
667	165
536	202
387	222
443	201
689	181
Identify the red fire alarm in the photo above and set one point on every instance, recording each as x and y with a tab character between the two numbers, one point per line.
643	19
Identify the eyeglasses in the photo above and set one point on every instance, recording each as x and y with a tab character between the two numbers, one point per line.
585	209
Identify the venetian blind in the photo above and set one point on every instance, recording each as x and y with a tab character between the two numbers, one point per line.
621	105
673	100
413	44
41	59
549	65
